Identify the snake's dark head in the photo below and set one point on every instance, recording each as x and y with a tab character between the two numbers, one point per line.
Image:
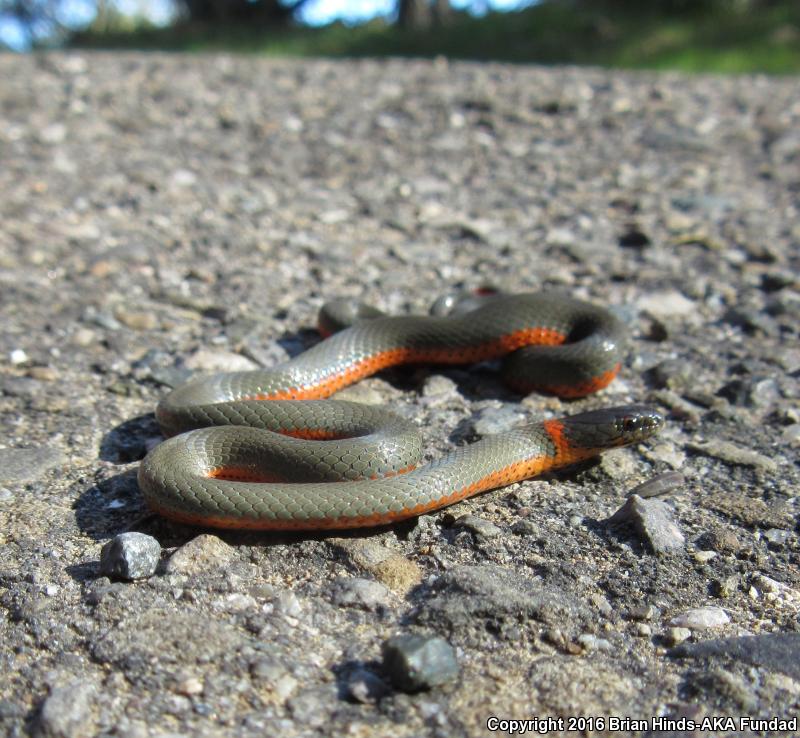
613	426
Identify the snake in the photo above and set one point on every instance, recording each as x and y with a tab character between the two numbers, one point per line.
267	449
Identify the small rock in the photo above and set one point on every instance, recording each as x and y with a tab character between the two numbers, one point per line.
666	304
767	584
493	420
479	526
653	520
18	356
200	554
791	434
437	389
777	537
190	686
643	630
274	675
311	706
365	594
724	588
674	636
66	712
593	643
734	454
395	571
723	541
138	320
365	687
43	373
699	618
415	662
209	360
703	557
288	604
659	485
130	556
525	528
642	612
84	337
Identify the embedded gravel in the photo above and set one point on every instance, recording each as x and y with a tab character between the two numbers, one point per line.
164	215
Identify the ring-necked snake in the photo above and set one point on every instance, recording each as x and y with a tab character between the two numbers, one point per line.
327	464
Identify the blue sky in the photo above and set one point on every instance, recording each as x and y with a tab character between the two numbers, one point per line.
314	12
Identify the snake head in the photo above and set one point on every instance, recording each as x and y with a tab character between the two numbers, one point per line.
613	426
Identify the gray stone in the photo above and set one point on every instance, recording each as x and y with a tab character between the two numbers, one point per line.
653	520
67	711
479	526
365	594
202	553
700	618
130	556
777	537
735	454
492	420
660	485
416	662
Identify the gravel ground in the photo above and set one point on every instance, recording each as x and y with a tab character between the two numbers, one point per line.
165	214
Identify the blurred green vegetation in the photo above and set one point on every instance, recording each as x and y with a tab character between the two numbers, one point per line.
635	35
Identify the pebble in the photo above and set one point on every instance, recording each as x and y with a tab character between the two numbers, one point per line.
365	594
438	389
138	320
492	420
202	553
724	588
525	528
593	643
395	571
654	521
777	537
67	711
274	675
18	357
699	618
723	540
667	304
734	454
130	556
479	526
28	464
309	706
210	360
659	485
415	662
674	636
366	687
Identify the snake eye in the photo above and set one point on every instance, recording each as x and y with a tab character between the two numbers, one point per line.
630	424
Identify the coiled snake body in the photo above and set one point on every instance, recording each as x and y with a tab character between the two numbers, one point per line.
280	458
